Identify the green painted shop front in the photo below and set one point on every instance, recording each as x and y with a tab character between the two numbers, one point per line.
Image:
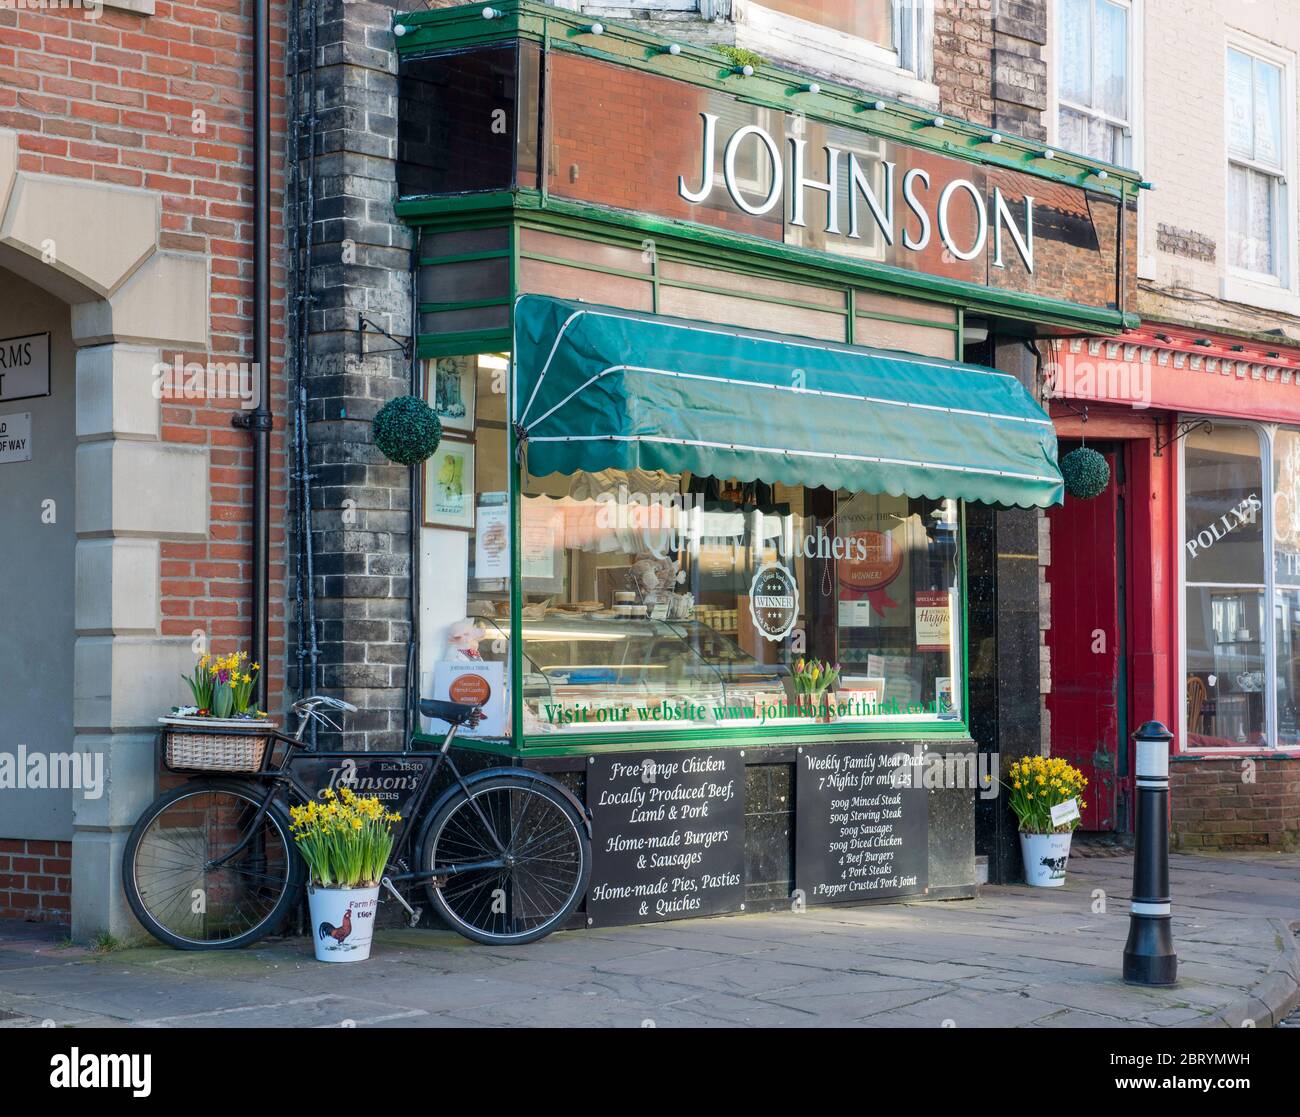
707	347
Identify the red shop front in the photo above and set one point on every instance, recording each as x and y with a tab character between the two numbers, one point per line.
1175	594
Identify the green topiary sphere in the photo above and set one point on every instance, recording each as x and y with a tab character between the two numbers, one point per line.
1086	473
407	430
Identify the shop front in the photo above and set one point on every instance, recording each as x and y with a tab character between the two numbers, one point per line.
716	479
1205	431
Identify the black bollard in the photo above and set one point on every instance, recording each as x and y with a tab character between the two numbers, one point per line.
1149	957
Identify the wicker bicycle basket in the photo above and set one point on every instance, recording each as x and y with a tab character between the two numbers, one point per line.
239	748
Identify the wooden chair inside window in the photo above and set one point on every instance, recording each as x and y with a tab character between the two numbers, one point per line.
1196	697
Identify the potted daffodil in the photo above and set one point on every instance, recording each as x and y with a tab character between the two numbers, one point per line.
1047	795
345	840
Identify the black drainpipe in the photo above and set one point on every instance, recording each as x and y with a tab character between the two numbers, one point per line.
258	421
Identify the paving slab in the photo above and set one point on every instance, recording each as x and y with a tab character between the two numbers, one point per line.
1013	957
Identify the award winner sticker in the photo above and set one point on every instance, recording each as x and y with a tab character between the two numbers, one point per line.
774	601
472	690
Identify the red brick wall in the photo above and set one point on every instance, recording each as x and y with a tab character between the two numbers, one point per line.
35	879
114	100
1214	807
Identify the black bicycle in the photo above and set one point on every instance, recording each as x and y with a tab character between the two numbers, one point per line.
503	854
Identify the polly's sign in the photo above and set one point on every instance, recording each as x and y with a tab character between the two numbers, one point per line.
909	208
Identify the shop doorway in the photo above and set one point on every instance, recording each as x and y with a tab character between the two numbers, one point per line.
1088	638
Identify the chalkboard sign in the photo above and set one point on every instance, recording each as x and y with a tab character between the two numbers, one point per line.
668	835
861	831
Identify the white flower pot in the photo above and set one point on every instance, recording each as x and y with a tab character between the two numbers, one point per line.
342	922
1045	857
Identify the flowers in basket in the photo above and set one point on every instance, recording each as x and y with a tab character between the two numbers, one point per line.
1036	784
812	679
345	839
222	687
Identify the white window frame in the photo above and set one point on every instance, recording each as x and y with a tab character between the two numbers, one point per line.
848	58
1132	76
1146	261
1276	290
1267	435
920	14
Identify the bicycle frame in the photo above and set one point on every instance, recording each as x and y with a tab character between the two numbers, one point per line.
283	780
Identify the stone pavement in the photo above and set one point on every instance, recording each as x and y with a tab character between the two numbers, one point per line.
1013	957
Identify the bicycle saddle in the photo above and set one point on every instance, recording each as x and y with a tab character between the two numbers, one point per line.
454	713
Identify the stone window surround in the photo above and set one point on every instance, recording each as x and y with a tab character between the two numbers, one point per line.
140	7
129	300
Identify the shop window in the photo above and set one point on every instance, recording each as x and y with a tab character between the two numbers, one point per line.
1286	581
468	120
1257	193
654	601
465	551
1094	66
1227	582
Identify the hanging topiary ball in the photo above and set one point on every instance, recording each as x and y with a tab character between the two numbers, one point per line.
1086	473
407	430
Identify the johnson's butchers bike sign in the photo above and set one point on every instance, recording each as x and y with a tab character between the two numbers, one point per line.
668	835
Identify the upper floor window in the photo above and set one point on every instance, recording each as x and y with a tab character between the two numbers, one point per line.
1256	164
1094	78
867	21
903	26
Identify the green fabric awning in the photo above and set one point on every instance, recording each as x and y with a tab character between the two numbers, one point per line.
601	388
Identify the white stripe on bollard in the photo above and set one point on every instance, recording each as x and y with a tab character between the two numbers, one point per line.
1152	759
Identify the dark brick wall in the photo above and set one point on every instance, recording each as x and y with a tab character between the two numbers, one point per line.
1229	803
360	267
1019	72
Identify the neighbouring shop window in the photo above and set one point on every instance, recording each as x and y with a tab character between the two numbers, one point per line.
653	601
1227	635
1257	205
1094	75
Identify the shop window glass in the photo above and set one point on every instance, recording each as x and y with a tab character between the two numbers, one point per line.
1286	581
444	100
652	600
1225	629
465	553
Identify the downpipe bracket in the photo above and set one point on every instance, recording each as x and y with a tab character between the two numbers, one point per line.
252	421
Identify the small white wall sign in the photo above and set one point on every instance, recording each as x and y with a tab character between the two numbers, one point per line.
24	367
16	437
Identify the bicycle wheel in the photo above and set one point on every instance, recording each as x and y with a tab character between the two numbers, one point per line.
178	896
547	859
